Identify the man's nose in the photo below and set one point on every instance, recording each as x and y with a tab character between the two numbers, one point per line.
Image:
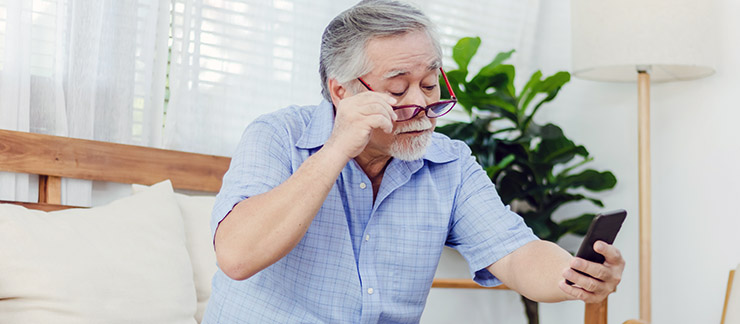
415	96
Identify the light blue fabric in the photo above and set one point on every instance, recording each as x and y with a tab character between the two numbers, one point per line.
361	262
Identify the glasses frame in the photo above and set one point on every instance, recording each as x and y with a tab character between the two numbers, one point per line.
418	108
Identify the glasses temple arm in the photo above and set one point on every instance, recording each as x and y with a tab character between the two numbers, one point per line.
447	82
365	84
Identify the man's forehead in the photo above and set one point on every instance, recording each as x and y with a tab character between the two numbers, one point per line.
399	71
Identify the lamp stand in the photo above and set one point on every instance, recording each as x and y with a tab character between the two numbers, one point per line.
643	102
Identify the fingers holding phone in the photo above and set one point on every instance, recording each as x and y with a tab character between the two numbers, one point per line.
591	281
600	271
597	268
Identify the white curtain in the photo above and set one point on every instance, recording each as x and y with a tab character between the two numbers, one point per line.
233	60
84	69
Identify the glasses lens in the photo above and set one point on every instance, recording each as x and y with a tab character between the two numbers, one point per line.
440	108
406	112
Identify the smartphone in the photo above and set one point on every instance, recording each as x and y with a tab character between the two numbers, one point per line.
604	227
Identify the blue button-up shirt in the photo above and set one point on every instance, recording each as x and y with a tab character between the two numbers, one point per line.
361	261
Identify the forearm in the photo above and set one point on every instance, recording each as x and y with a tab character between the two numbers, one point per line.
264	228
535	271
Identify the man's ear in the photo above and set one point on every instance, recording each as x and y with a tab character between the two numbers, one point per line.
337	91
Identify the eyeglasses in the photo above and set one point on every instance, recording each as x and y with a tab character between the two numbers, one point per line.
434	110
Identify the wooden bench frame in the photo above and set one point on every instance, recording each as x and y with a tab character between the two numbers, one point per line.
53	158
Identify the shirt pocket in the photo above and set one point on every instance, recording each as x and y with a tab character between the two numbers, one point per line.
417	254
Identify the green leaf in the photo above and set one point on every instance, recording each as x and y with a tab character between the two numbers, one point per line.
540	229
566	171
492	170
500	57
555	148
554	82
455	77
578	225
464	51
596	202
556	199
499	105
529	90
512	185
499	77
551	86
551	131
505	147
457	130
590	179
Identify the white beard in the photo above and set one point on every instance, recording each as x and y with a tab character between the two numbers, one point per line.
412	148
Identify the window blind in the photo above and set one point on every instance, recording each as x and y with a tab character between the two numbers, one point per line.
235	60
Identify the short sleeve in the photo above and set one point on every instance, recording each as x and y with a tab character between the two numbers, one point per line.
483	230
260	163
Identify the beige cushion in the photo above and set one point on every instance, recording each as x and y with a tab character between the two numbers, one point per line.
196	214
733	303
124	262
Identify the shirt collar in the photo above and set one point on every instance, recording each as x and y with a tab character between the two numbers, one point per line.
440	150
322	122
319	127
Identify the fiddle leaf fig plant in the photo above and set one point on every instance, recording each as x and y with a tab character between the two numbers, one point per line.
535	167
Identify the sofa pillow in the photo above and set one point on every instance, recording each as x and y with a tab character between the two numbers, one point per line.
124	262
196	215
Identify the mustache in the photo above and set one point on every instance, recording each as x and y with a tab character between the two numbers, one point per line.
414	126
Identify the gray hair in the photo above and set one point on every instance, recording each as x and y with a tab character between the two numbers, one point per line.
344	40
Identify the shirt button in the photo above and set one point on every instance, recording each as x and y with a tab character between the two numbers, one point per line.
367	237
370	291
363	185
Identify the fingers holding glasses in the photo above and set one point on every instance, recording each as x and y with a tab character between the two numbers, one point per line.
366	107
376	104
356	117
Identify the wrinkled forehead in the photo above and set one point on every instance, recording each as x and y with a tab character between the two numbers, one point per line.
404	54
432	66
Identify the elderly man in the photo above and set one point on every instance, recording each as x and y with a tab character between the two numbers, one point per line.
338	213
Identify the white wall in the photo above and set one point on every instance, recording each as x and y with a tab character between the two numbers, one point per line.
695	179
695	174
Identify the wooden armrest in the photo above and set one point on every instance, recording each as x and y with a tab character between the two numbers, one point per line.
636	321
461	283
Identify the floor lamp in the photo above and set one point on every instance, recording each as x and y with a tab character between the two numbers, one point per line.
644	41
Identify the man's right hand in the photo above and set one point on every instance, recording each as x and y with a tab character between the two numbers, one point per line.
356	117
264	228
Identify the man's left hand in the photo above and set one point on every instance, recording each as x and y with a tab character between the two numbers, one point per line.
604	277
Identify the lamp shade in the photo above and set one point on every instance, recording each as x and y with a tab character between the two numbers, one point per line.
612	38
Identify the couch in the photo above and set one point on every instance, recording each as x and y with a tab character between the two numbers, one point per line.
143	258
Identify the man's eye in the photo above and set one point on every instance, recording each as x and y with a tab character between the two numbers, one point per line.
430	88
397	94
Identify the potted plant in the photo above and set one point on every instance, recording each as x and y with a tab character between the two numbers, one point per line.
536	168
